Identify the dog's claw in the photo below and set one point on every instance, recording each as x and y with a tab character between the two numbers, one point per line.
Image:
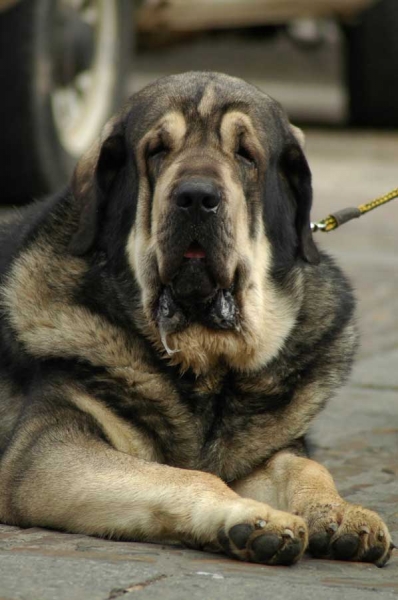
169	317
333	527
364	530
163	337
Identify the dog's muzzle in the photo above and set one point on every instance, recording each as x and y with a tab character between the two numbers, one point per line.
196	289
221	312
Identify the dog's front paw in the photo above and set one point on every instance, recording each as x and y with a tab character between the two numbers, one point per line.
257	533
346	531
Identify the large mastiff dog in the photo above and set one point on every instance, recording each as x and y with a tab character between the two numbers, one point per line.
169	330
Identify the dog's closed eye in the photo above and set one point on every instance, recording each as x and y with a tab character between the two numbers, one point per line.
243	153
157	150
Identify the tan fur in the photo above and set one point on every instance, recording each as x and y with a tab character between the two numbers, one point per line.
206	104
37	297
304	487
299	135
105	492
122	436
236	121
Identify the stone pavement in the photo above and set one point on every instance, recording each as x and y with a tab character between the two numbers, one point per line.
356	437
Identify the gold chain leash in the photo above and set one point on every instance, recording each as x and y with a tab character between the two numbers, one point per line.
346	214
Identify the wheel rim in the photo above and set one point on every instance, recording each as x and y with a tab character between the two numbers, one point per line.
81	99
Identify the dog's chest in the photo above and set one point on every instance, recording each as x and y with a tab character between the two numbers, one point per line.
225	423
233	424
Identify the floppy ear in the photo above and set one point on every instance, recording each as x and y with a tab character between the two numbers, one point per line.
299	135
298	174
92	180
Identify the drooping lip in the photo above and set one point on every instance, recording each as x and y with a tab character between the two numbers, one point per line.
220	313
195	251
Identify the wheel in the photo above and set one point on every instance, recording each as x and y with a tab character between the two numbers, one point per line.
372	66
63	69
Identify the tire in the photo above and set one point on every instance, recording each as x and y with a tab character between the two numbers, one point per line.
372	66
39	146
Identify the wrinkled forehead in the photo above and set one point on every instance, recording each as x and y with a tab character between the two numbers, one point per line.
204	99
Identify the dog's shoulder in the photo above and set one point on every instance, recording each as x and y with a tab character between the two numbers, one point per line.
19	227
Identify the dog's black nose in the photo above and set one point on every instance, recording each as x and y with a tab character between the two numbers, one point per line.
197	198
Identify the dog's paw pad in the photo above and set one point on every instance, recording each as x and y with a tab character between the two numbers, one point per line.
240	534
224	542
345	547
374	554
319	544
265	546
290	552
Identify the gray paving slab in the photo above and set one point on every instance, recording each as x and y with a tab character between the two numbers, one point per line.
40	565
263	586
28	577
380	372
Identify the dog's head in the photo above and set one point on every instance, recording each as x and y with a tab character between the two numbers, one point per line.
203	181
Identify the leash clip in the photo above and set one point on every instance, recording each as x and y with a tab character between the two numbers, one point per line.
318	226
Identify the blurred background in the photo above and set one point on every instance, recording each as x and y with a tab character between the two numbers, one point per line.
67	65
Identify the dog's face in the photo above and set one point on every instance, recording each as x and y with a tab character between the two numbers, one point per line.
213	194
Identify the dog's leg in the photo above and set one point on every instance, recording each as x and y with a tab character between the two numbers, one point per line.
337	529
70	480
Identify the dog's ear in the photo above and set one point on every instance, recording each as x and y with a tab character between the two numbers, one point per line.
298	174
92	180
